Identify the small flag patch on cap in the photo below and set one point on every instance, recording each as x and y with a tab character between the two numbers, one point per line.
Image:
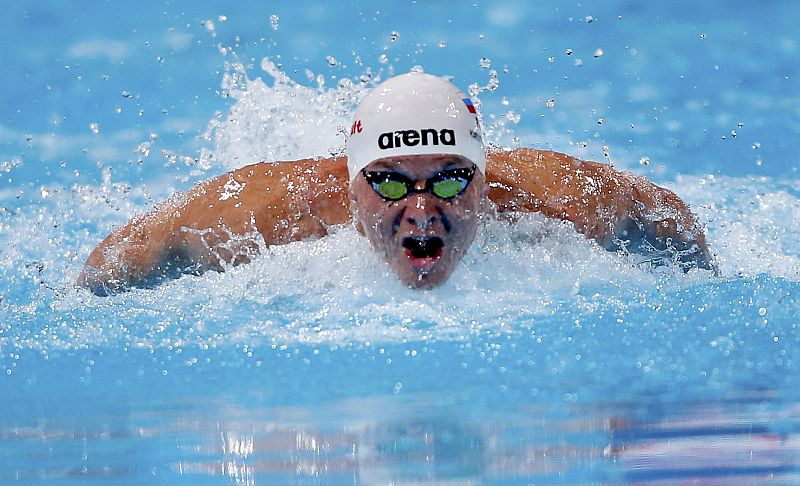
470	106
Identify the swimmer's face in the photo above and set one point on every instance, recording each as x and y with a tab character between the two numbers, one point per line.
421	236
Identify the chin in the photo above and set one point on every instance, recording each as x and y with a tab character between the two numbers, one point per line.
424	279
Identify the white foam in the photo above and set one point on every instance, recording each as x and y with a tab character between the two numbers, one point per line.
285	121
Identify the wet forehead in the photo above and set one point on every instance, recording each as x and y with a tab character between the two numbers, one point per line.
421	166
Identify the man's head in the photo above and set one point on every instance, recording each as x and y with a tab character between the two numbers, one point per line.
416	161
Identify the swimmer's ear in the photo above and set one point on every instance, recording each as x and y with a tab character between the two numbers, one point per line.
360	228
354	214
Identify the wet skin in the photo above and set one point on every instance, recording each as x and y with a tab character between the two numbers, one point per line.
422	237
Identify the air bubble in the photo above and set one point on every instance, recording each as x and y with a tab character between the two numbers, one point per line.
273	21
95	128
383	59
485	63
569	52
394	36
551	103
762	311
331	61
442	44
598	53
644	161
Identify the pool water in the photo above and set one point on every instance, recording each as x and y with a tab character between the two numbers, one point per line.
543	360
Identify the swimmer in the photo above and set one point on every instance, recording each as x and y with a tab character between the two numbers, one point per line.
415	180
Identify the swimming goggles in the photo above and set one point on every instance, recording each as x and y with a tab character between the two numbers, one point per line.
394	186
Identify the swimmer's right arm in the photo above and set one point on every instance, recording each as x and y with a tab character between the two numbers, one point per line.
223	221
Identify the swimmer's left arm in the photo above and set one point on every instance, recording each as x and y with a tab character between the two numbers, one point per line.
617	209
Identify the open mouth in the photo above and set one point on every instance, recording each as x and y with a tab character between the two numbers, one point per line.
423	252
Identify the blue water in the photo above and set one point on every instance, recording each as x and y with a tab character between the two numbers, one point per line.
544	359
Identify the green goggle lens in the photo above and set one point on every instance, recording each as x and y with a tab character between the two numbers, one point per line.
391	189
394	186
449	188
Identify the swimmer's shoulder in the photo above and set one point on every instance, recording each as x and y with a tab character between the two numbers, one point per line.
276	176
530	159
279	191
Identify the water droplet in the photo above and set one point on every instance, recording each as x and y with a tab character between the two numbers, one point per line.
762	312
209	25
702	36
127	94
118	109
756	145
740	125
598	53
493	83
481	36
644	160
733	133
394	36
331	61
600	121
589	19
578	62
504	101
485	63
273	21
569	52
223	18
383	59
442	44
95	128
551	103
160	60
551	59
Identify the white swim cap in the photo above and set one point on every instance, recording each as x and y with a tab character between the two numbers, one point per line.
414	114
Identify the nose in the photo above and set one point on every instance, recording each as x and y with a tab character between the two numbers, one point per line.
421	212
